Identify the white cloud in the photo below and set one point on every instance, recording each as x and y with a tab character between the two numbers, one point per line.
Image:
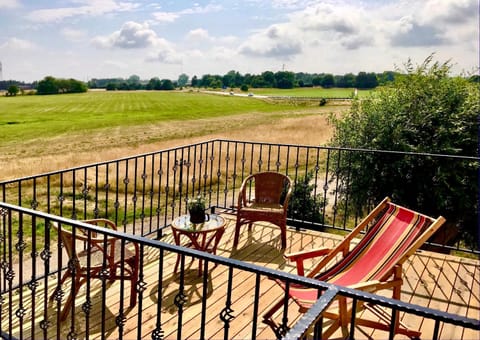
411	33
278	41
165	16
327	18
335	36
17	44
131	35
450	11
196	9
198	35
85	8
165	55
9	4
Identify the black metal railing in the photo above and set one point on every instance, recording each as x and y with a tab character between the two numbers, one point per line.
143	193
32	266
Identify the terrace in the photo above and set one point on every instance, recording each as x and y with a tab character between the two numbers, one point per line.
145	193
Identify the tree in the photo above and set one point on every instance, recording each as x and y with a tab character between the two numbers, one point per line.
76	86
284	79
366	80
316	81
228	80
346	81
111	87
328	81
268	78
12	90
423	110
47	86
182	80
154	84
167	85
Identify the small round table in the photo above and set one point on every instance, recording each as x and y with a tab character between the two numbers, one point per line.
201	236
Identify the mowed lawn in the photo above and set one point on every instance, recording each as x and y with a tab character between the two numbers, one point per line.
46	133
30	117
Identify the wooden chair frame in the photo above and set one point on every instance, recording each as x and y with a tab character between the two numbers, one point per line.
108	253
330	267
272	191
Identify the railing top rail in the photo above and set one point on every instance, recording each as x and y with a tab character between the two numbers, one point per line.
328	147
421	154
259	270
122	159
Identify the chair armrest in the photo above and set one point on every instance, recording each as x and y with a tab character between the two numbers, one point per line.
298	257
367	286
104	221
287	195
307	254
242	197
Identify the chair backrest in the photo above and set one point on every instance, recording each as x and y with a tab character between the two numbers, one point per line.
395	235
82	243
270	187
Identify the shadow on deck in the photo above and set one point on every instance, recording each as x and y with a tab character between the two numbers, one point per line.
438	281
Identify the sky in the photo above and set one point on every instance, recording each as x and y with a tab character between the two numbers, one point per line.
85	39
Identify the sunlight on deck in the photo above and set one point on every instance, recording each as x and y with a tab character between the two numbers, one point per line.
438	281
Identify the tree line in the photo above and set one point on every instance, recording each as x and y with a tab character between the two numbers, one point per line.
48	85
232	79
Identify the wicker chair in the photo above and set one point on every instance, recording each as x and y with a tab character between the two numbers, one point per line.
90	259
264	197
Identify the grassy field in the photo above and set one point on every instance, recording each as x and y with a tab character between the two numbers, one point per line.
32	117
311	92
45	133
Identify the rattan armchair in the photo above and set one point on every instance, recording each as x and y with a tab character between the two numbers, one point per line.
264	197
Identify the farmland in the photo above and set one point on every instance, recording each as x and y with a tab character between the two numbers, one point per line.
44	133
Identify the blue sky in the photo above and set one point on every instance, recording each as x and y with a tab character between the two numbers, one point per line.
85	39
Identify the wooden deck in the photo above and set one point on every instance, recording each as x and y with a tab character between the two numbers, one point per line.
433	280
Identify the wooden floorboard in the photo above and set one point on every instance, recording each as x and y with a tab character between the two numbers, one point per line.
438	281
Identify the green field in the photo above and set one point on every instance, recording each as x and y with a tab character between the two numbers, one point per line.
311	92
30	117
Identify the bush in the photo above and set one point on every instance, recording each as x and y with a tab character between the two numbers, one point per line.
304	204
424	110
12	90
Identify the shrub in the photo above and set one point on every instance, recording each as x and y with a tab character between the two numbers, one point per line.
304	204
424	110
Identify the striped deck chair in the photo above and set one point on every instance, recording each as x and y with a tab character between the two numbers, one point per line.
392	234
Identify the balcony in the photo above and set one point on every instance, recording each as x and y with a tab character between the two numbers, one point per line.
143	194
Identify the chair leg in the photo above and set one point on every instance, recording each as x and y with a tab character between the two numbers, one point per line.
65	276
237	232
273	310
283	234
133	281
267	317
71	296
